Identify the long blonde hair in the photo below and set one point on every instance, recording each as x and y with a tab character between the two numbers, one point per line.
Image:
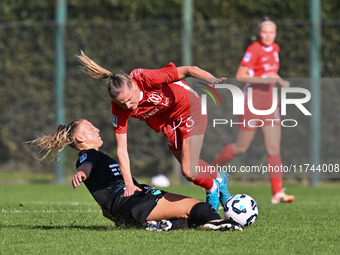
54	143
117	83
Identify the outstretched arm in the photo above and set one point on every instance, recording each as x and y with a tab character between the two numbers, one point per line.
124	165
196	72
83	172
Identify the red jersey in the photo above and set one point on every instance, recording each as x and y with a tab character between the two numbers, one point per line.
261	60
163	98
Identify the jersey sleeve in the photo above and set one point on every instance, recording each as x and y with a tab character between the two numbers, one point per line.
119	118
89	156
250	57
167	74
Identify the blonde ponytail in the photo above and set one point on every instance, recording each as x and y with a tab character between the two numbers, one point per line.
54	143
116	84
92	69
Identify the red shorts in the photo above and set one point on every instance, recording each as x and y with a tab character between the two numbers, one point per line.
175	131
251	121
262	100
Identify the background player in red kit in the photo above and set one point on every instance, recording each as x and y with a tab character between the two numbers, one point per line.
259	70
166	103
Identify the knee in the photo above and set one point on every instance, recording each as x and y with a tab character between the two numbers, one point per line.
239	149
202	213
189	170
187	175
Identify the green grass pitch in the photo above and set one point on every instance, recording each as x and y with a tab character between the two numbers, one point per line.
55	219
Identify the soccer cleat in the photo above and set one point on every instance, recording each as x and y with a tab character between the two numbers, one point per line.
223	225
213	197
163	225
224	192
282	197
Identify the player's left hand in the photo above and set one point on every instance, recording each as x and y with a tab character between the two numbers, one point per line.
216	81
129	190
212	81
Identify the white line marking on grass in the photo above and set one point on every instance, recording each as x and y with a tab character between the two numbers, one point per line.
75	203
50	211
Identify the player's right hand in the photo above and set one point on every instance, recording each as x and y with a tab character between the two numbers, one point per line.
78	178
284	84
130	190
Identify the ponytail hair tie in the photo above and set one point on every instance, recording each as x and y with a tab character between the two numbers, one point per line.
113	76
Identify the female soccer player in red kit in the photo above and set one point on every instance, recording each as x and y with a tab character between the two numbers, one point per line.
166	103
259	70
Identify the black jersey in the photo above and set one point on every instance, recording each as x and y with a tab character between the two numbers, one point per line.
105	177
106	185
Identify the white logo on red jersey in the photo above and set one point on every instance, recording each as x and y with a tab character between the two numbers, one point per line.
264	59
157	99
269	67
136	72
151	113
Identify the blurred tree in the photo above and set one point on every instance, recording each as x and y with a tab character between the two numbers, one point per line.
123	35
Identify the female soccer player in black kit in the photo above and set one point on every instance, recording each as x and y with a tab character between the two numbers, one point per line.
150	208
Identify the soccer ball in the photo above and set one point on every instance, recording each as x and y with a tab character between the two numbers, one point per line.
242	209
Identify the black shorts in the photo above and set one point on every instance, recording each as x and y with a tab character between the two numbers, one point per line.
133	210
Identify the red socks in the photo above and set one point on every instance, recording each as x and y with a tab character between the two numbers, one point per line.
274	164
226	155
205	183
205	176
